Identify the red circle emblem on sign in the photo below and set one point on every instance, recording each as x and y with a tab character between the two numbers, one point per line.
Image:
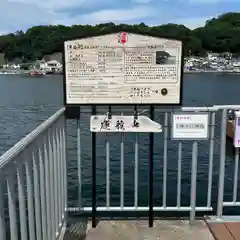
123	37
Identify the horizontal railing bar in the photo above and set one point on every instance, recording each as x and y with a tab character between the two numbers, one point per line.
236	107
22	144
158	109
143	209
202	109
231	204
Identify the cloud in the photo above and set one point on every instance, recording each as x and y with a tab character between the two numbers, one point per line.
55	5
212	1
18	15
192	23
111	15
22	14
141	1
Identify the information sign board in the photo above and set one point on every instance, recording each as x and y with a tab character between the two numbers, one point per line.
123	68
191	126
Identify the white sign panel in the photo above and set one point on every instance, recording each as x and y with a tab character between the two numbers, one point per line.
123	68
190	126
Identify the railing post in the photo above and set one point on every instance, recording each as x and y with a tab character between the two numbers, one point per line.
2	216
107	172
79	164
65	169
36	182
136	182
12	209
193	181
150	172
179	175
55	180
30	204
165	149
210	168
222	164
94	174
51	183
122	171
235	181
42	172
22	202
47	184
59	176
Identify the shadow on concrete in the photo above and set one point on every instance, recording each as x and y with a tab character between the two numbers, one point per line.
76	228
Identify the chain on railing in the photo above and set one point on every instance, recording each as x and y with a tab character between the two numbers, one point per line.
34	171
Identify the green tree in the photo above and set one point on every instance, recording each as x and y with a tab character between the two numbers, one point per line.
221	34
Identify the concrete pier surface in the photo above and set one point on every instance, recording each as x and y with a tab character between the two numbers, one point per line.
139	230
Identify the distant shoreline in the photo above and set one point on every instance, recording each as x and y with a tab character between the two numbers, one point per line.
26	72
211	71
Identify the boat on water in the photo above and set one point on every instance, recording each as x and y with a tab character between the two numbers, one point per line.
37	73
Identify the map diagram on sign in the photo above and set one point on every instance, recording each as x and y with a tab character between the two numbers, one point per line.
123	68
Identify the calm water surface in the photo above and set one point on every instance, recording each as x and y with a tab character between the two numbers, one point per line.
27	101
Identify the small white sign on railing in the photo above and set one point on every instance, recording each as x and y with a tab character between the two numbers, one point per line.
191	126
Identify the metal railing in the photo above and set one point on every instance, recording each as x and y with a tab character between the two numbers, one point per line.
214	202
235	190
34	174
192	208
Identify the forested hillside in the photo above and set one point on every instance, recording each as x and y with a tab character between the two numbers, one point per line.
220	34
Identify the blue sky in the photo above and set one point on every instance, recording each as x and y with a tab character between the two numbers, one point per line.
22	14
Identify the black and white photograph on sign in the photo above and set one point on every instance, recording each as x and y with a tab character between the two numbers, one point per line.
163	57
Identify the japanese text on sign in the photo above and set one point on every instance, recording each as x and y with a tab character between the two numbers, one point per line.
190	126
138	69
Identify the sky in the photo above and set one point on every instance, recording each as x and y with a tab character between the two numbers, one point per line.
23	14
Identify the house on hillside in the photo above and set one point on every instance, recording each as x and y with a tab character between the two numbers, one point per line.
226	55
55	56
212	56
53	66
48	67
195	62
40	64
